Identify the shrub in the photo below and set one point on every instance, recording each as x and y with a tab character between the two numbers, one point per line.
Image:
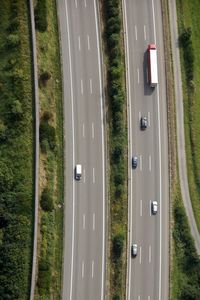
13	41
113	40
119	190
44	77
47	132
118	244
41	15
47	115
47	200
44	277
188	53
116	297
117	154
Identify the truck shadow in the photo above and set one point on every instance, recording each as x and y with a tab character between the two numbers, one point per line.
147	89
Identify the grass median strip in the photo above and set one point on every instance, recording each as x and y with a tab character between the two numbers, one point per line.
117	137
51	152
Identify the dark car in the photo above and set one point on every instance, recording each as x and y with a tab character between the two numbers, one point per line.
134	162
143	123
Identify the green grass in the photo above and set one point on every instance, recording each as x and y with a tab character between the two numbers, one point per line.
51	171
188	16
16	151
117	148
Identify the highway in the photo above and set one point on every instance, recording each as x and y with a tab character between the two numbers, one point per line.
84	226
148	272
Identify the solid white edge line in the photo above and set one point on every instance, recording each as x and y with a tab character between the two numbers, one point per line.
73	160
160	173
130	146
103	148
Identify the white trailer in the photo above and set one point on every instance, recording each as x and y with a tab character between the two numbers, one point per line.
152	65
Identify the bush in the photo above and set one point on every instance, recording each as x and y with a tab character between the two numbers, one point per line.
41	15
44	277
47	200
116	297
44	77
47	133
118	244
188	53
13	41
117	153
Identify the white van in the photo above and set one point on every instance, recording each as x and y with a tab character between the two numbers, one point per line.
78	172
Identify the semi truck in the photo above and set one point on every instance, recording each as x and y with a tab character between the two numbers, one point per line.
152	65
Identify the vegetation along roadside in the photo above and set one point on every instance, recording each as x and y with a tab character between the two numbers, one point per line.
184	261
16	151
117	144
51	152
188	25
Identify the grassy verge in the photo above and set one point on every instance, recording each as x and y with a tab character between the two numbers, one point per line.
184	262
189	24
51	152
186	265
117	137
16	151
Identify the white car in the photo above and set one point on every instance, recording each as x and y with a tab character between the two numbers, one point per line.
154	207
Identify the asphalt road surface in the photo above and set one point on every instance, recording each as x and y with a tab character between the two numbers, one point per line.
84	243
148	272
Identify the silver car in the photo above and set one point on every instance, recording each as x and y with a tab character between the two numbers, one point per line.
154	207
134	249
